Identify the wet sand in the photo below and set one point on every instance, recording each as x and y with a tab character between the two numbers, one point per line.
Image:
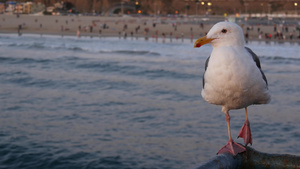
128	26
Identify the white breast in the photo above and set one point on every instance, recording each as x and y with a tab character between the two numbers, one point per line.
233	80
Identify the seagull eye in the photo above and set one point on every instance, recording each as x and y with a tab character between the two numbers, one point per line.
224	30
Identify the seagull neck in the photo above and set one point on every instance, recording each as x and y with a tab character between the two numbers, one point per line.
231	43
227	46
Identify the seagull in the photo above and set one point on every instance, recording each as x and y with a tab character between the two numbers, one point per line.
233	78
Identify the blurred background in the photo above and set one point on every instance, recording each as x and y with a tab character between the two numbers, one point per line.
113	84
155	7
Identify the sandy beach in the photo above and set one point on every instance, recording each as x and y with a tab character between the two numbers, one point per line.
127	26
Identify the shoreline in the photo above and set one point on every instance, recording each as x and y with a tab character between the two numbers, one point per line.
167	39
127	27
152	39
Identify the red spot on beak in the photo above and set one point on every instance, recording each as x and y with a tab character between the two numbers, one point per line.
198	45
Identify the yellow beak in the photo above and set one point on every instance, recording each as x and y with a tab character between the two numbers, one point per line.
202	41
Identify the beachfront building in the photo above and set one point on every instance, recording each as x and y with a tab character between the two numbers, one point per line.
189	7
19	8
37	7
2	8
30	7
10	6
27	8
219	7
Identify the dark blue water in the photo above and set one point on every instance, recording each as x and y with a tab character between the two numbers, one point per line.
110	103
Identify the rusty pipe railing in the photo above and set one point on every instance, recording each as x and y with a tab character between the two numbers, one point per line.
252	159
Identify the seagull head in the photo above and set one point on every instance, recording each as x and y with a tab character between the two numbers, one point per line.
222	34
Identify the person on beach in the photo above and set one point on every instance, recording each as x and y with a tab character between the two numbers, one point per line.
19	30
100	32
164	36
78	33
91	28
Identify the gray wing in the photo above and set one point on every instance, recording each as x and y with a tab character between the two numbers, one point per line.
256	60
206	64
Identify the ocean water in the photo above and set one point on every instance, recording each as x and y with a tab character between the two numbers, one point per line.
110	103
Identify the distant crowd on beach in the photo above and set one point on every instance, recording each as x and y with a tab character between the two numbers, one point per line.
155	28
252	32
281	32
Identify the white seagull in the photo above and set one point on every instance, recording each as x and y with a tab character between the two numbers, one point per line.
233	78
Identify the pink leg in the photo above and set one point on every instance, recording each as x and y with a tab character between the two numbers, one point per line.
231	147
245	131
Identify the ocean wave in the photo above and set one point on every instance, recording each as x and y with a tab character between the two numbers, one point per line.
107	51
13	60
10	74
162	73
5	59
136	52
46	46
281	58
135	70
29	45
